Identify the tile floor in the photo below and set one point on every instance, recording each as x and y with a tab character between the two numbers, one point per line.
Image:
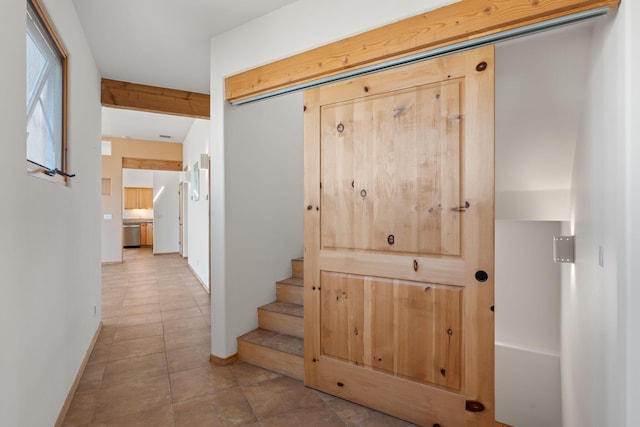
150	365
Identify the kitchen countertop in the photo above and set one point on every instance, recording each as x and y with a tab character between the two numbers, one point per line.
137	221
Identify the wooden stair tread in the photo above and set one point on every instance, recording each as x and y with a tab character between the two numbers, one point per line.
292	281
274	340
278	343
284	308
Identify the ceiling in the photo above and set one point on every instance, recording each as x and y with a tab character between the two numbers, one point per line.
539	79
162	43
142	125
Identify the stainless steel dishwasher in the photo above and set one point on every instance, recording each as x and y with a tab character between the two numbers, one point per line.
131	235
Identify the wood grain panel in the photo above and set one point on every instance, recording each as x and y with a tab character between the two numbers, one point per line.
143	234
152	164
441	270
478	244
290	294
396	396
284	363
457	22
146	234
145	198
138	198
282	323
343	329
311	236
391	167
380	312
429	334
223	362
130	198
297	267
427	329
133	96
411	330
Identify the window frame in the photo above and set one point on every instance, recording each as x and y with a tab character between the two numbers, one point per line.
34	169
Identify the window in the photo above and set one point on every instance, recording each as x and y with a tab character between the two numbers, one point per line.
46	96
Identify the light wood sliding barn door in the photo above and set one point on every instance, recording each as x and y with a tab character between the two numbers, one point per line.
399	225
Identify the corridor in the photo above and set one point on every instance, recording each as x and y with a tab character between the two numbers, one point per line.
150	365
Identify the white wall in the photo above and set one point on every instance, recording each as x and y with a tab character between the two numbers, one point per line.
533	205
50	252
539	93
264	207
294	28
527	301
527	285
137	178
594	363
631	268
540	83
166	227
197	212
594	296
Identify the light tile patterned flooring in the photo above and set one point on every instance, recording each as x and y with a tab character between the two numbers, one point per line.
150	365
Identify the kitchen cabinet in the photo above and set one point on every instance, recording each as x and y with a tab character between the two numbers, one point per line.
145	198
146	234
130	198
138	198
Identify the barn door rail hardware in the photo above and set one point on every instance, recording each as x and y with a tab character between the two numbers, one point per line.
436	53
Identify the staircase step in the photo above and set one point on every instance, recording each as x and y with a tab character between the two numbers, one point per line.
297	267
274	351
286	308
290	290
282	317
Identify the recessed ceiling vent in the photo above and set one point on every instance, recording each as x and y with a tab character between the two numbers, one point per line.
165	136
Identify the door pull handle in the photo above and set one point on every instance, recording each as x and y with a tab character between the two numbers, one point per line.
462	208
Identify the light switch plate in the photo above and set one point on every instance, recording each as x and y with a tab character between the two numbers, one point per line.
600	256
108	217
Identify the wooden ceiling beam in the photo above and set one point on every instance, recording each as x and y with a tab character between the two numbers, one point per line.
152	164
133	96
458	22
